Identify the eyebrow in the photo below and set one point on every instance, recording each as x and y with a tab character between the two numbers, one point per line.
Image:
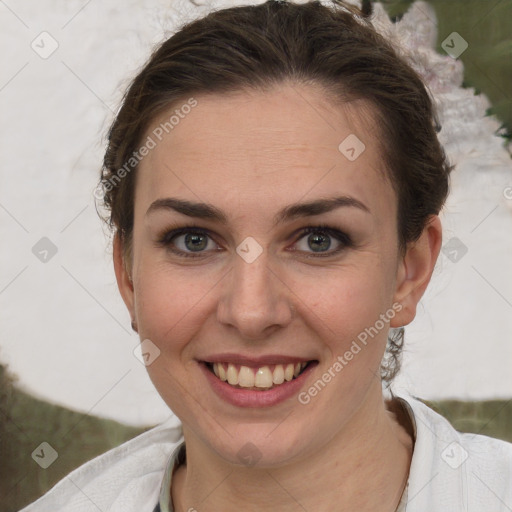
293	211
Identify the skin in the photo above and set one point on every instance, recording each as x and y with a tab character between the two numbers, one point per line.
250	154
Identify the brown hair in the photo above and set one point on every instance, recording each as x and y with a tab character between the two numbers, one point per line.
259	46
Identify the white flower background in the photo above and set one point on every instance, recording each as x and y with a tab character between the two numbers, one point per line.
64	329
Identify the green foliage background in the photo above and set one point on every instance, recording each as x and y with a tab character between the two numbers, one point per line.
487	27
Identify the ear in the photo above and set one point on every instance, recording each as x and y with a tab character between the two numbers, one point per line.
415	270
123	276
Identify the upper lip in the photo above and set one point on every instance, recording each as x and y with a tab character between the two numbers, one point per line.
263	360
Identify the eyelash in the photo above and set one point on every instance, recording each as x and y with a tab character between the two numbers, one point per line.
165	240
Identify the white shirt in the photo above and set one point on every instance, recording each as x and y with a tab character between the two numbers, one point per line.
450	471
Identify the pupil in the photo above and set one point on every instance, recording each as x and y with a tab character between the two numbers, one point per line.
319	241
198	242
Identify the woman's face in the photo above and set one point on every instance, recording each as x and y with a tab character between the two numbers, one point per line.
246	287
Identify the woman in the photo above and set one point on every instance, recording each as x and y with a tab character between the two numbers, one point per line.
274	181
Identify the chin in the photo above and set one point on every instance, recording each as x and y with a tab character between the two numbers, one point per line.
259	445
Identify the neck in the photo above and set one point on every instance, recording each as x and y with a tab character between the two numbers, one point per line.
364	467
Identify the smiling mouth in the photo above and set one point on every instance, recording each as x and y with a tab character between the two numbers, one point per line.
261	379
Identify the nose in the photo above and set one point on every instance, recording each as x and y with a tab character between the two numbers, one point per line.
255	300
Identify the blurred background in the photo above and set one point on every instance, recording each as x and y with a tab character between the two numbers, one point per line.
71	374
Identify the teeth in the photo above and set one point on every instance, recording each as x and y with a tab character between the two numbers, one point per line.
263	378
232	375
246	377
278	375
288	372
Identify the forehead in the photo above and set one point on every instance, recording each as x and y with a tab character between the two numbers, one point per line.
264	149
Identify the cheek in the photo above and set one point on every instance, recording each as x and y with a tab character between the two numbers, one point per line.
350	299
171	303
172	306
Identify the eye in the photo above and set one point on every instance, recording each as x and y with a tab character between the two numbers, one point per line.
319	239
192	242
186	241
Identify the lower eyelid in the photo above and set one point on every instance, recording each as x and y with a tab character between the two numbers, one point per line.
324	254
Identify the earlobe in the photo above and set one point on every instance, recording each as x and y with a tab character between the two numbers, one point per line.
415	271
123	277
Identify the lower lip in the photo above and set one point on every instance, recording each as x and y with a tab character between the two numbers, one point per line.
252	398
